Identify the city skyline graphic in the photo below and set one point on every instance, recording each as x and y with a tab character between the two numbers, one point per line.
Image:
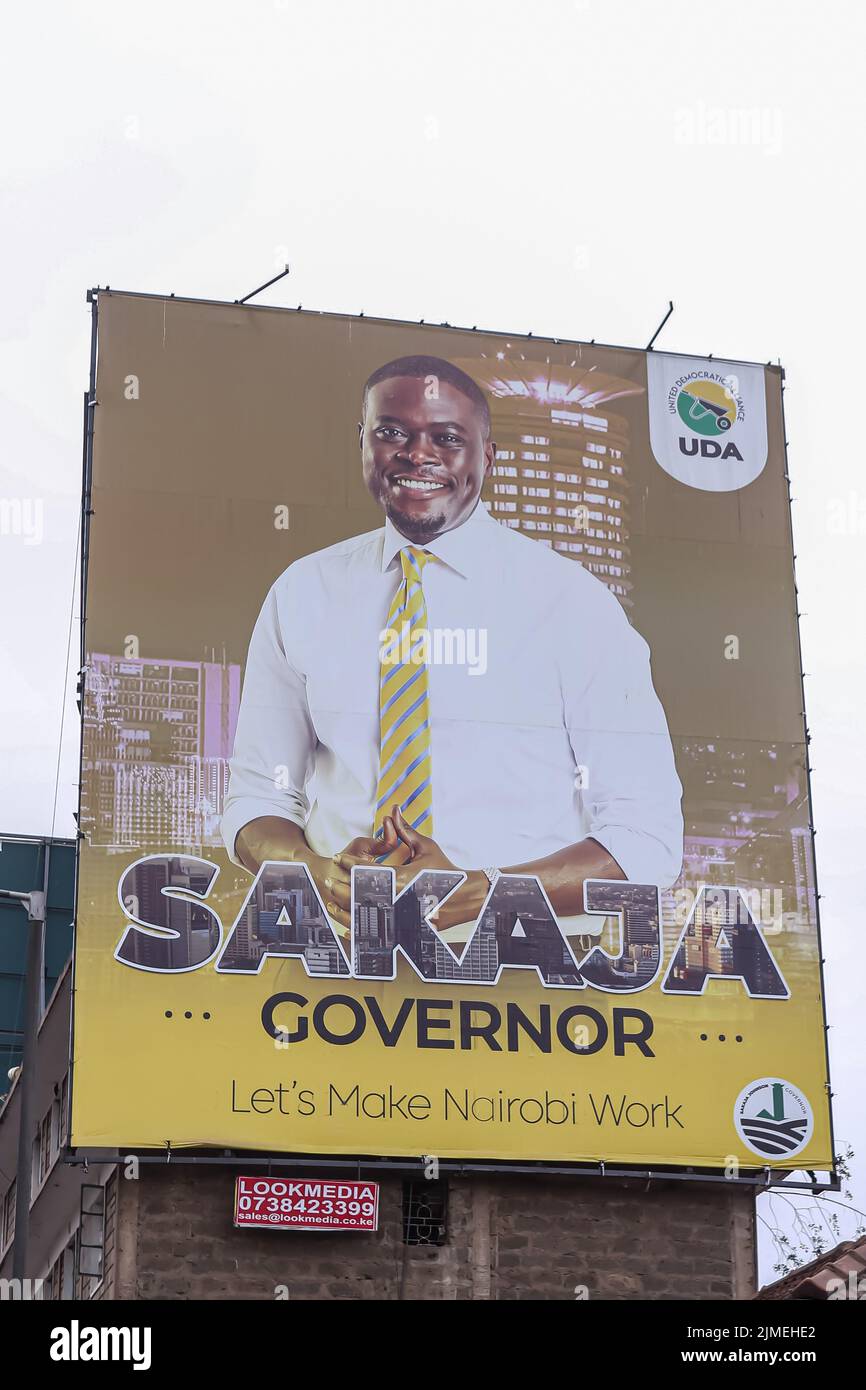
158	736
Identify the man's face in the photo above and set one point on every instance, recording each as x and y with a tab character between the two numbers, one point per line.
424	460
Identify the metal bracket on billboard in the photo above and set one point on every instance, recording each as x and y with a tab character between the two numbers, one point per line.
281	276
649	346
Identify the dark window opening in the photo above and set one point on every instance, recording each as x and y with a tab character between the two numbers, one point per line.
425	1213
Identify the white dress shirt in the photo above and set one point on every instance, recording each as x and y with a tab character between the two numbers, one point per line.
567	698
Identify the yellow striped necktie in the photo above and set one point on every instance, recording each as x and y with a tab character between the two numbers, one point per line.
405	768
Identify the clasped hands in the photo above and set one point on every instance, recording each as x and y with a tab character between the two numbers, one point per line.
408	853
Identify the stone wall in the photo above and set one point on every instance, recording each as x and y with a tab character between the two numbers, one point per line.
508	1237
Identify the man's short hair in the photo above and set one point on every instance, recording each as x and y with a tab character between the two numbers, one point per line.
421	367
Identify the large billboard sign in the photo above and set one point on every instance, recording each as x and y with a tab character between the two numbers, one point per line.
444	779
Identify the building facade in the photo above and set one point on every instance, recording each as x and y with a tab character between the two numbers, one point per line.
30	862
160	734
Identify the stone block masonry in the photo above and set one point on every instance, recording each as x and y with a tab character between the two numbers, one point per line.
508	1237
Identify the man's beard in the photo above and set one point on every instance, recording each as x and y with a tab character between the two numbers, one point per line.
415	529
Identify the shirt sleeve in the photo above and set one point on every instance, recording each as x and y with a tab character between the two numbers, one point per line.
625	764
275	742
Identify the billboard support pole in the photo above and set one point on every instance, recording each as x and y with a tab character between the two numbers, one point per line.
281	276
649	346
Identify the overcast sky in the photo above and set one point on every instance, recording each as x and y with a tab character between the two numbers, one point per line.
564	167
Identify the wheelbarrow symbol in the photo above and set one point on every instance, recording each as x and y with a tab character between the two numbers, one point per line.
699	409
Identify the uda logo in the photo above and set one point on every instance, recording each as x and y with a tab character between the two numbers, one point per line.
773	1118
707	406
708	421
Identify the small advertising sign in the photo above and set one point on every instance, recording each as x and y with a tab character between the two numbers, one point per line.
308	1204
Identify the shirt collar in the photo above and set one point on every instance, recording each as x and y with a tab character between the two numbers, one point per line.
462	549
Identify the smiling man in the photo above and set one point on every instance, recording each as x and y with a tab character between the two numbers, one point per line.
367	733
424	468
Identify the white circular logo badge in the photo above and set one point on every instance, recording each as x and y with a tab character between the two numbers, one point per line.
773	1118
708	421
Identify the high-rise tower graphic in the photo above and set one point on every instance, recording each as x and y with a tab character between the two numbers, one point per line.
562	460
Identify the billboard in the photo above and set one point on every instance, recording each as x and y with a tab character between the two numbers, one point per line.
444	784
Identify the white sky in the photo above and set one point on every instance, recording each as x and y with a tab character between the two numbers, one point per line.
564	167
